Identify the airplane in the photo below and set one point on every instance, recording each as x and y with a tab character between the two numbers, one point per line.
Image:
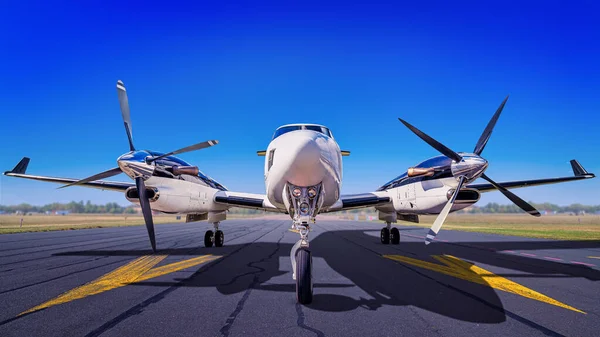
303	178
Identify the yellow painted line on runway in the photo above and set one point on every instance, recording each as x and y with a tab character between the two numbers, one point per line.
137	270
594	257
294	231
458	268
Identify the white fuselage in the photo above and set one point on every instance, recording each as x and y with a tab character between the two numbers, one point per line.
303	158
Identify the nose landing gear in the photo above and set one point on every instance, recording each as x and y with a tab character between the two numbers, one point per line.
301	258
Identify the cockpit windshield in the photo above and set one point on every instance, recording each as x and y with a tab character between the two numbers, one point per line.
435	162
290	128
439	161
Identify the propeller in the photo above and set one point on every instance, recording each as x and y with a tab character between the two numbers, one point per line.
194	147
124	103
146	211
101	175
139	181
434	143
439	221
513	197
468	171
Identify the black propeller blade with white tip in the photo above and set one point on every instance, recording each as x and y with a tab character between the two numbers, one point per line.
146	210
485	136
513	197
434	143
194	147
439	221
124	103
101	175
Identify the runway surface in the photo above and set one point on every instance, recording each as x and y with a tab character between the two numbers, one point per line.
106	282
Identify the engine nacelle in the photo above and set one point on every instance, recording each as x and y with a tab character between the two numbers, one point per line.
465	196
132	194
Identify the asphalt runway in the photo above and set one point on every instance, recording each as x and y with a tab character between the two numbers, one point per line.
106	282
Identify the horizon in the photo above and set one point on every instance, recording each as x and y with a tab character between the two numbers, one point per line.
236	73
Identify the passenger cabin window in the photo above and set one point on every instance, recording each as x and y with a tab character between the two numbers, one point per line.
317	128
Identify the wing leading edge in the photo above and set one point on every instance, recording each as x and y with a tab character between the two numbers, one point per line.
579	173
19	172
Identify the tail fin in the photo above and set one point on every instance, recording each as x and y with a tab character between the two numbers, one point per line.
578	170
21	166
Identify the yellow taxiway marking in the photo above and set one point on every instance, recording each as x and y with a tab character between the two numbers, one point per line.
137	270
294	230
464	270
594	257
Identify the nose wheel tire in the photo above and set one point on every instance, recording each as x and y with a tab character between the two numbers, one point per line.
385	236
219	238
304	285
208	236
394	236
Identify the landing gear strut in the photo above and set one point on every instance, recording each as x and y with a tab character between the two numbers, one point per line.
302	266
389	234
217	237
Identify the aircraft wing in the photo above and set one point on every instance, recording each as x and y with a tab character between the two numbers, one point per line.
246	200
579	173
19	172
353	201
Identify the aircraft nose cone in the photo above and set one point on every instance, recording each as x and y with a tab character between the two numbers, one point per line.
301	158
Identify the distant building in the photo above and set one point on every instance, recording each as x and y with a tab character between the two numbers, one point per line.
62	212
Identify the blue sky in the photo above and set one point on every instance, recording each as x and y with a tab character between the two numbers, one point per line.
236	71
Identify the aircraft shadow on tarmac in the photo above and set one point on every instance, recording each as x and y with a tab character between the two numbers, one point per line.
356	255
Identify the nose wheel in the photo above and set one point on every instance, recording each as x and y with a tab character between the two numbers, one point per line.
302	266
304	284
216	238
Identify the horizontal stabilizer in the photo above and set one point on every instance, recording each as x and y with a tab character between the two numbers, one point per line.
578	170
21	166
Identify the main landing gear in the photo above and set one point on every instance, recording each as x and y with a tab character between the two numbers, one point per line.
302	266
217	237
390	235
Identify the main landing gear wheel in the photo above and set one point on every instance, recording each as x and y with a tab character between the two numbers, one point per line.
394	236
304	285
385	235
219	238
208	236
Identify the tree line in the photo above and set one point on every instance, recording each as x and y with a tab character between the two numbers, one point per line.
73	207
88	207
114	208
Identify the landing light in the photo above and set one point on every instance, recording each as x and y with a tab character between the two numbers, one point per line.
304	208
296	192
312	192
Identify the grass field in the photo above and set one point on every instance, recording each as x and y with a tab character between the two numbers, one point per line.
559	227
44	223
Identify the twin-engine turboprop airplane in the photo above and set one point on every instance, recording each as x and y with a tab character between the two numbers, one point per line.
303	177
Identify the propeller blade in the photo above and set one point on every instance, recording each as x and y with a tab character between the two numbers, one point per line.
485	136
434	143
101	175
194	147
524	205
146	210
439	221
124	103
